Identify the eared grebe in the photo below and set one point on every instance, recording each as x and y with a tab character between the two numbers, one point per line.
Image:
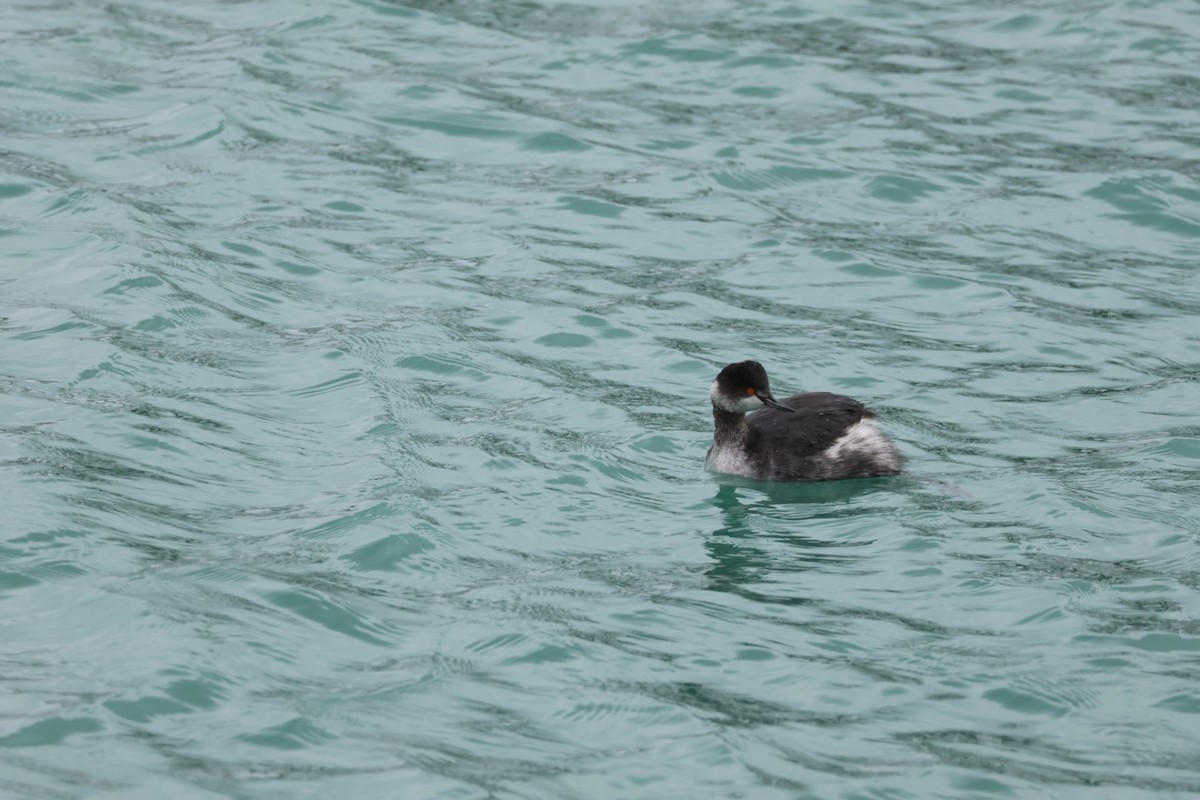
816	436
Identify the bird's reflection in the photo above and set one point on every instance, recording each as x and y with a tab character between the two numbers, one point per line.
738	563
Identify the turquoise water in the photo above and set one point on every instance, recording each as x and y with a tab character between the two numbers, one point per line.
353	399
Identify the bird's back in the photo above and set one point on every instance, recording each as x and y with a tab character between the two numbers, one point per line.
817	421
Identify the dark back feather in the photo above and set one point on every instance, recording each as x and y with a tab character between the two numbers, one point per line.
819	420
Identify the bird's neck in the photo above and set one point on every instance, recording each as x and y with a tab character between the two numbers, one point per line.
729	426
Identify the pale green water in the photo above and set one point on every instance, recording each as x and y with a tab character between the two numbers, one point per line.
354	382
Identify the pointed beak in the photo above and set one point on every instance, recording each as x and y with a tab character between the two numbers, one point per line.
773	403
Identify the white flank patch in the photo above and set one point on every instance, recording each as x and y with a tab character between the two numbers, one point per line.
864	437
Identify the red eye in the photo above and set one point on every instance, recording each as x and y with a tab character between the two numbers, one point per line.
749	390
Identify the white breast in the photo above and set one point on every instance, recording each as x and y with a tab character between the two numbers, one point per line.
729	461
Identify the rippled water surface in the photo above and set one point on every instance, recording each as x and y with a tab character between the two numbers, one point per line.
353	399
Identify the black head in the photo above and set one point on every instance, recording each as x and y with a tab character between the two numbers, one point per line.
743	387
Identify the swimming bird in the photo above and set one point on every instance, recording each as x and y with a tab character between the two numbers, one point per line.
815	436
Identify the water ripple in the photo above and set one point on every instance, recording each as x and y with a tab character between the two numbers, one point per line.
354	398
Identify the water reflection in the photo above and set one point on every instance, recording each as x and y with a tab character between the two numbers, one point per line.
795	492
767	529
